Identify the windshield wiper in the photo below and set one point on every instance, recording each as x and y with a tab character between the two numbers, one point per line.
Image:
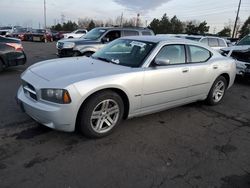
105	59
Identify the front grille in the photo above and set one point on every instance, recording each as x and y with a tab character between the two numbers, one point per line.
29	90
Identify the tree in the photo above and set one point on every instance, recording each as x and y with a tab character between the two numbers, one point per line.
197	29
245	29
91	25
176	25
225	32
155	26
203	28
69	26
191	28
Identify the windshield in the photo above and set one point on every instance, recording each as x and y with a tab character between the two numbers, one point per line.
244	41
20	30
126	52
38	31
94	34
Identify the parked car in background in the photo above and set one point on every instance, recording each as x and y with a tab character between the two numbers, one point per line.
240	52
75	34
57	35
4	30
214	42
96	39
39	35
18	33
11	53
130	77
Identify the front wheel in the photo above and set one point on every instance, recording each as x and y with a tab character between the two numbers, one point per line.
217	91
101	114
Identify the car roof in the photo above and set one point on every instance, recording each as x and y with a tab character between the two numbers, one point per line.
125	28
160	38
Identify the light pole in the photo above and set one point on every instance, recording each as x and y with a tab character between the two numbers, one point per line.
45	26
236	20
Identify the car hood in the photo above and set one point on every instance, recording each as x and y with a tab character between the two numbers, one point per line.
70	70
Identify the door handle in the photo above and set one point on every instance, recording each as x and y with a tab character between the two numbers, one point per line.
185	70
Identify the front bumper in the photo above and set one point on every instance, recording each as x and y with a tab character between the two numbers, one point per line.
57	117
65	52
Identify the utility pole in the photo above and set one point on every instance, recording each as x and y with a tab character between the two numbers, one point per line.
45	25
121	20
236	20
137	20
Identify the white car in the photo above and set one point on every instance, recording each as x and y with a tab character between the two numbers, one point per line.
75	34
129	77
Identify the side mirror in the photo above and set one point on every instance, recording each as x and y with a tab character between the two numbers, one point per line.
162	62
105	40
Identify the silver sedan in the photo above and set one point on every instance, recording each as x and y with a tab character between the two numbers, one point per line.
130	77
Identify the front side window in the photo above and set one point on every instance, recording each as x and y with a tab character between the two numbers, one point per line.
198	54
204	41
174	53
213	42
125	52
112	35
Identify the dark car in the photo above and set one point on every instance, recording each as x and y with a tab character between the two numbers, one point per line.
96	39
57	35
39	35
11	53
18	33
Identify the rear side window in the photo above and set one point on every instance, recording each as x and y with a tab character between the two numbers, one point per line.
199	54
222	43
130	33
146	33
213	42
174	53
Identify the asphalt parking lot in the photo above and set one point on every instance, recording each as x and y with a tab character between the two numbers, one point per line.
190	146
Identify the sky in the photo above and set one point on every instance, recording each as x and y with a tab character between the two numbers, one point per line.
217	13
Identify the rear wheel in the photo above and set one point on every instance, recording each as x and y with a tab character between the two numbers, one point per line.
217	91
101	114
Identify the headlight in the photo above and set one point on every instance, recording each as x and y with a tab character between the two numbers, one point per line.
60	96
68	45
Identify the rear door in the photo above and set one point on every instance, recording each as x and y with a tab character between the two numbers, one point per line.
201	70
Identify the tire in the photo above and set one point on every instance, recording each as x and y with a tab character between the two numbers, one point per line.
101	113
217	91
76	54
1	65
88	54
70	37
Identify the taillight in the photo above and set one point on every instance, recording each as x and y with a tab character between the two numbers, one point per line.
18	47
